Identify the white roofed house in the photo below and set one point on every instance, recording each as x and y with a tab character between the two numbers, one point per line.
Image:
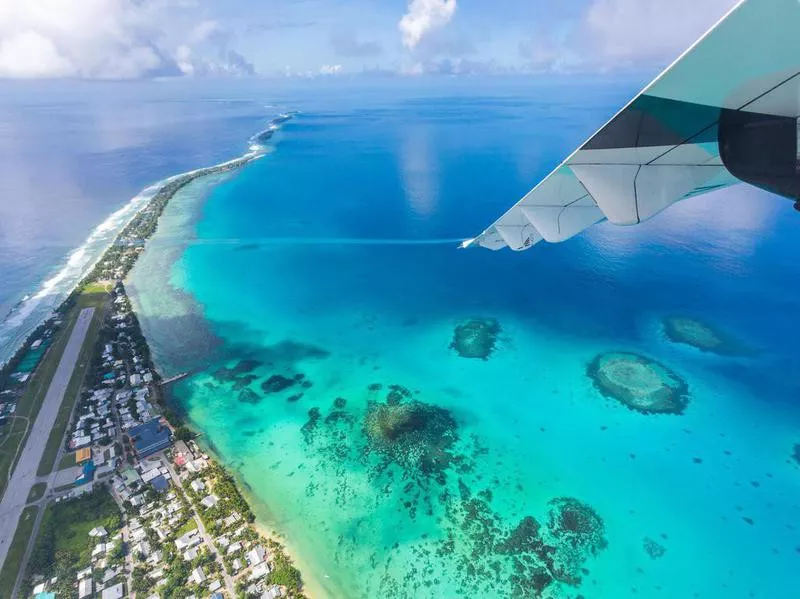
197	576
259	571
209	501
272	592
256	555
85	587
190	554
190	539
197	485
113	592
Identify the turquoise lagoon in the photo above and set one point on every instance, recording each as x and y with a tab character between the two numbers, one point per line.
329	266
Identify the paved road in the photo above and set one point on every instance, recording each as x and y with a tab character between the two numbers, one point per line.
24	475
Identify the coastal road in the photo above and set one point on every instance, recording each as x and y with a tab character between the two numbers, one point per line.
24	475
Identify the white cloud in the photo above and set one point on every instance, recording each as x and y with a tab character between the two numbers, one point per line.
330	69
631	31
618	34
424	16
110	39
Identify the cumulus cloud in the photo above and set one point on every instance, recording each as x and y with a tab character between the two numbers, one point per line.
109	39
424	16
616	34
330	69
216	40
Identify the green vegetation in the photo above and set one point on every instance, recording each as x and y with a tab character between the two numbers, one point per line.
37	491
8	576
184	433
67	461
95	295
190	524
63	546
285	574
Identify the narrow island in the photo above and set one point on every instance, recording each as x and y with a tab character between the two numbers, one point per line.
136	507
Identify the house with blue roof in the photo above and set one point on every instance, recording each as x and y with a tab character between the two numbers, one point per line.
150	437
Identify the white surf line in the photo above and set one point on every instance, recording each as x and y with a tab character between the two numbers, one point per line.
76	268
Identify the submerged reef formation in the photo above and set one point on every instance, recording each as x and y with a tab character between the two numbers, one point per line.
476	338
700	335
277	369
419	464
796	454
640	383
413	435
528	559
653	548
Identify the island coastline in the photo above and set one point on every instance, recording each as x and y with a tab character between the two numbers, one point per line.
113	265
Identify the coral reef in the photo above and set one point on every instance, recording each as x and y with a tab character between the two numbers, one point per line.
277	383
528	558
653	548
417	462
411	434
700	335
242	367
796	454
249	396
576	532
476	338
640	383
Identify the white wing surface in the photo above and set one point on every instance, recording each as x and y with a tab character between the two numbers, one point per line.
725	112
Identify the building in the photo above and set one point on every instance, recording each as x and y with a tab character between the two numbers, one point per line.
82	455
87	474
197	576
259	571
256	555
159	483
85	588
272	592
150	437
209	501
114	592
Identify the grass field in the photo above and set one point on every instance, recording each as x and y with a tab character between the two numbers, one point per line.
37	491
63	544
16	552
190	524
67	461
94	296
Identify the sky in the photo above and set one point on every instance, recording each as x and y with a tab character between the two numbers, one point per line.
135	39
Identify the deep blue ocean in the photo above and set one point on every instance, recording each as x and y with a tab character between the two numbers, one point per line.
332	262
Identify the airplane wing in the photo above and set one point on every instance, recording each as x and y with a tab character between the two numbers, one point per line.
724	112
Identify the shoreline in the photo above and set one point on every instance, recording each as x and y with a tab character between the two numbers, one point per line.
313	588
115	262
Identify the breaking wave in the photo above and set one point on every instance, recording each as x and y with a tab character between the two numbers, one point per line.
36	307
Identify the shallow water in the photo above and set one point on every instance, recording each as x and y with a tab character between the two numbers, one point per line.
701	504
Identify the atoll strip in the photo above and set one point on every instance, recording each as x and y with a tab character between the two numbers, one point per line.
639	383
